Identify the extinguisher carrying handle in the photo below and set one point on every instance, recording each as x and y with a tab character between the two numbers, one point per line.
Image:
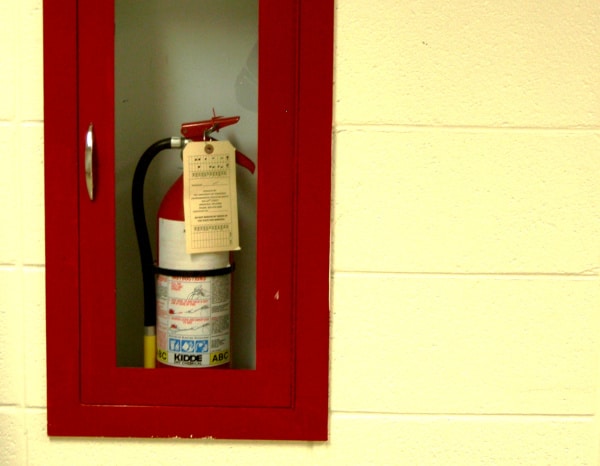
244	161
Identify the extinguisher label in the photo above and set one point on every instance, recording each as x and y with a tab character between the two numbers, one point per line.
193	320
210	197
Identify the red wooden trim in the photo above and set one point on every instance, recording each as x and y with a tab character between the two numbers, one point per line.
62	280
286	397
101	381
313	210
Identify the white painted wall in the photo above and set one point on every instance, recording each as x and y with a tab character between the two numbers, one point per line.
465	269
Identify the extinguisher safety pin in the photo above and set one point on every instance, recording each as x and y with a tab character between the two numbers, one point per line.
209	131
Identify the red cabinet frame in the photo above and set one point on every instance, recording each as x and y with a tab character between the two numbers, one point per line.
286	396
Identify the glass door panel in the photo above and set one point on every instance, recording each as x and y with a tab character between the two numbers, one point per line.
177	62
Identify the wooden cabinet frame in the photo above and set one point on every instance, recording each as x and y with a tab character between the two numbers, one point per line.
286	396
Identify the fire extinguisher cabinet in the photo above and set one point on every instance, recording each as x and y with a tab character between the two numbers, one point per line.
282	82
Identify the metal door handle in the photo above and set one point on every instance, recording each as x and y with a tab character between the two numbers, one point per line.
89	161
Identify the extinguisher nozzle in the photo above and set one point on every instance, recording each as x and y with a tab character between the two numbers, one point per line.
149	348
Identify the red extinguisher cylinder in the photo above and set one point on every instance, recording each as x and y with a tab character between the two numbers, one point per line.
187	297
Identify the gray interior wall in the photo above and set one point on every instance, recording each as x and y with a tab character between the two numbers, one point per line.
174	63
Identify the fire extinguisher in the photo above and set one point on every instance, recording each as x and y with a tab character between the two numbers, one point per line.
186	296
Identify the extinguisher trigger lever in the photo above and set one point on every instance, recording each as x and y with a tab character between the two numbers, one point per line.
201	130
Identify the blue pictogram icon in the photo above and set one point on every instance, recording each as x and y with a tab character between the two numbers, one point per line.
187	346
201	346
174	344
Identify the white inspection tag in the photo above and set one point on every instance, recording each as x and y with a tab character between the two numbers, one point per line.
210	197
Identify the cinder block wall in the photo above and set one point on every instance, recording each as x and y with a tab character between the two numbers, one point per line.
465	291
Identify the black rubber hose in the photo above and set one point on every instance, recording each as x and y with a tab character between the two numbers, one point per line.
141	228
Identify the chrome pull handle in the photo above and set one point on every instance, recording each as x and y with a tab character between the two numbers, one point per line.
89	161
